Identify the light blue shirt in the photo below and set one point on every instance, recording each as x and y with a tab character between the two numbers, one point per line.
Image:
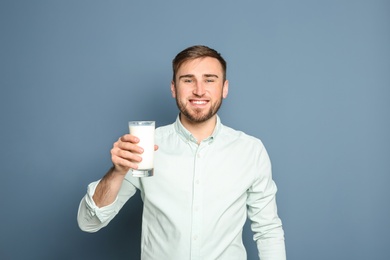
197	202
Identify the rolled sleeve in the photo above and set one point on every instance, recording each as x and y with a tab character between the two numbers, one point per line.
103	213
91	218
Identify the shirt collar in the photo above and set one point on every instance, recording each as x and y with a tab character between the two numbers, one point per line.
186	135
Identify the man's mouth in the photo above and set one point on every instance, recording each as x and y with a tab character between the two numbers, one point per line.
199	102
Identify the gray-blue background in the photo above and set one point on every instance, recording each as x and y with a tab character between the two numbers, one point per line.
309	78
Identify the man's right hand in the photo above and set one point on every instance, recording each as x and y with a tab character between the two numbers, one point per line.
125	154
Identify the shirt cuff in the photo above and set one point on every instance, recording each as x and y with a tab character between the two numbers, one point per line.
103	213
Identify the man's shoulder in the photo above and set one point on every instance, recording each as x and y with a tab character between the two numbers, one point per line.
239	135
165	130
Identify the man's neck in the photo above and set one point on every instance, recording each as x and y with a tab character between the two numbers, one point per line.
199	130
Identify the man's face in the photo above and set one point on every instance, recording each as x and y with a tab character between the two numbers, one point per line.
199	88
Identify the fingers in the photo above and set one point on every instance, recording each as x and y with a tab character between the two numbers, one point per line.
125	153
129	138
128	146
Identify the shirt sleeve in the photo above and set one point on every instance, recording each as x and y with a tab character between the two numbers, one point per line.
91	218
262	211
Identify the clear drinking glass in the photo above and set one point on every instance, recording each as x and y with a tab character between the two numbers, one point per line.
144	130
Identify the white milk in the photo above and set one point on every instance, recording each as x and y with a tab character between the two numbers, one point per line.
145	133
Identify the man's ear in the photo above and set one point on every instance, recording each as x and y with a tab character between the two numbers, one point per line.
225	89
173	89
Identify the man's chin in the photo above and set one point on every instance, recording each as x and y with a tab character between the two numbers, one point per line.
197	117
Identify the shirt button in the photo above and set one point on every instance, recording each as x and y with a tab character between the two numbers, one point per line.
195	237
199	155
197	182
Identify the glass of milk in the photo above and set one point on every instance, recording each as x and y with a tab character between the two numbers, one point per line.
144	130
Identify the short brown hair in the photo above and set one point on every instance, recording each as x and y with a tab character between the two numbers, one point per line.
195	52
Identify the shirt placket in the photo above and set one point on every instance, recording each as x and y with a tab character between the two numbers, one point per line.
197	207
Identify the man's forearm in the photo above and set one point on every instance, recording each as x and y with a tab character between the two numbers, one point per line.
108	188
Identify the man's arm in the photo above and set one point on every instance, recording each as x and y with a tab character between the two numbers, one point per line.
262	211
108	188
91	217
106	197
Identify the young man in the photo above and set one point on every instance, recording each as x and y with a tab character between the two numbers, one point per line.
207	179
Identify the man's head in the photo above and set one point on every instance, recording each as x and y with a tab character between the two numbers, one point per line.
195	52
199	83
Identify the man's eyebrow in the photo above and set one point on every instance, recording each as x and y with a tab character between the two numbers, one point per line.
210	75
186	76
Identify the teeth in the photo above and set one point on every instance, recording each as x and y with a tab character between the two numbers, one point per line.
199	102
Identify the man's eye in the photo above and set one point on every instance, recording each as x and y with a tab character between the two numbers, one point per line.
209	80
188	80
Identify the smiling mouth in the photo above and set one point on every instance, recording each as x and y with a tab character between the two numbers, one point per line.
199	102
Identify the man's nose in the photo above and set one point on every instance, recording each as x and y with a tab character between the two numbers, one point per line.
199	89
